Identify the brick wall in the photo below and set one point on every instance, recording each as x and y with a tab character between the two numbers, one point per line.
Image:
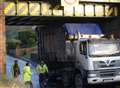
2	40
20	52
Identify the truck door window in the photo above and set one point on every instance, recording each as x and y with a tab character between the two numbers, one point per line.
83	49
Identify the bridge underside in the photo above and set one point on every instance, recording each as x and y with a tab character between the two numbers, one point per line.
40	20
107	24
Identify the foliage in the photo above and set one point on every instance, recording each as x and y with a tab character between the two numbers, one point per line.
27	38
13	43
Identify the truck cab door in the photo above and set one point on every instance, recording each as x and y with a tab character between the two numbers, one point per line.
82	55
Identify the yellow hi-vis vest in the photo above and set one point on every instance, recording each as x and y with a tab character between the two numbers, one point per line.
27	73
42	69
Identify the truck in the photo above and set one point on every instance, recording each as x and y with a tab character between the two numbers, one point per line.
75	57
97	61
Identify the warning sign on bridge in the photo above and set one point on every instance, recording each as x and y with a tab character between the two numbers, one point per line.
69	3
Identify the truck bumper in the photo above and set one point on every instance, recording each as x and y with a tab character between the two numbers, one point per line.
97	80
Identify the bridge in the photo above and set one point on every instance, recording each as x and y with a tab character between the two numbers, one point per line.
35	13
38	13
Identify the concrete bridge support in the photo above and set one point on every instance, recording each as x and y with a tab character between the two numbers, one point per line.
2	40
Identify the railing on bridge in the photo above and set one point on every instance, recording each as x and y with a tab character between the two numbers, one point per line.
84	9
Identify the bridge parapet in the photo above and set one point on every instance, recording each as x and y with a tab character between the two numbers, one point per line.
84	9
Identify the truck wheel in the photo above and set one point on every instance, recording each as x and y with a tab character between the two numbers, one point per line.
78	81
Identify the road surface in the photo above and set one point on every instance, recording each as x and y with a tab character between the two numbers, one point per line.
10	61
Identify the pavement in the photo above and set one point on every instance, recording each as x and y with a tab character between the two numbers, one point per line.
10	61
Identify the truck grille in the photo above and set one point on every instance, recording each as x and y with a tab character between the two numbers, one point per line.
107	73
103	64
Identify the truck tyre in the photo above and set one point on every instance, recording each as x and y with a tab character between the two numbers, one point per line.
78	81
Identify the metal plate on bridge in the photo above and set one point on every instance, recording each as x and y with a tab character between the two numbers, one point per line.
9	8
22	9
34	9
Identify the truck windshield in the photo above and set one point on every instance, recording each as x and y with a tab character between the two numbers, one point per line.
104	48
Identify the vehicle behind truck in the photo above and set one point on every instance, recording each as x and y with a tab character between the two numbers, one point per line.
75	62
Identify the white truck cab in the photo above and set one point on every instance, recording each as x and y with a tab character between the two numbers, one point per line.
100	58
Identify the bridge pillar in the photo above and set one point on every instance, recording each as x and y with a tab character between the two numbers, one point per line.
2	40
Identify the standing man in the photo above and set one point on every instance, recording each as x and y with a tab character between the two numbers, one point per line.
27	76
15	69
42	70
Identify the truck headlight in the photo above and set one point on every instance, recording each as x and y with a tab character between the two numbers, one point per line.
92	75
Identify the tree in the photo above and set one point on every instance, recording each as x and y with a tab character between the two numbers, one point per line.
27	38
13	43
